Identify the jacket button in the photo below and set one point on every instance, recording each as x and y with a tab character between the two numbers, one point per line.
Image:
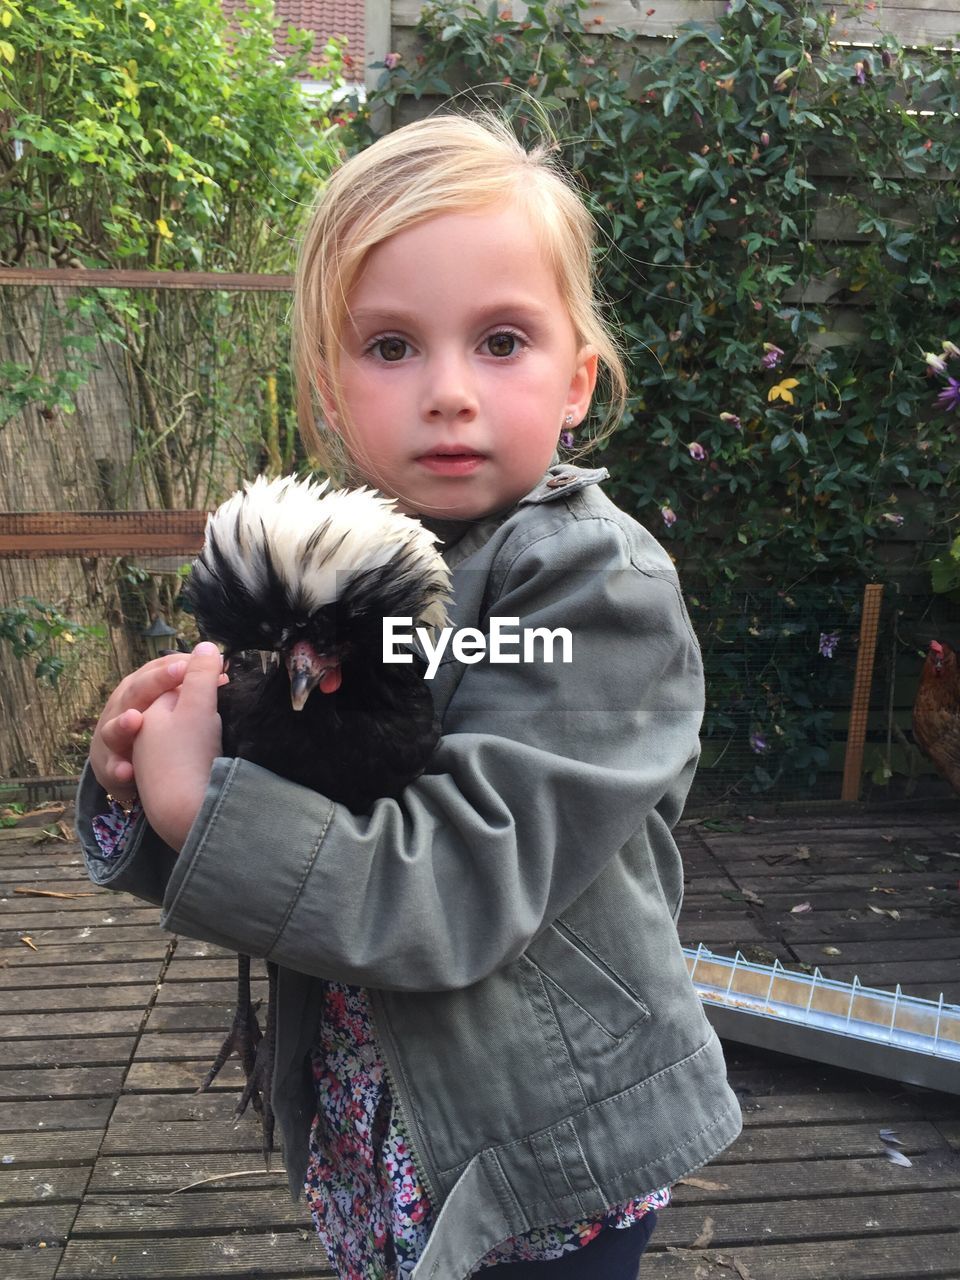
555	482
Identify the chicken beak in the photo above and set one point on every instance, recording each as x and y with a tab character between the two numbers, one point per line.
307	669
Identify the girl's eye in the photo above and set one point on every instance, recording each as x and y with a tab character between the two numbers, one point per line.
390	349
503	344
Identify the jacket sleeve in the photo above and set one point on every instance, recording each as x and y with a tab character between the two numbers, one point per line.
543	773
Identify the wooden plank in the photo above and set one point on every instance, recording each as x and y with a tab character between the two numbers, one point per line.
818	1179
39	1150
849	1259
750	1223
60	1115
127	943
190	1213
47	1186
24	1226
921	22
185	1075
78	1051
110	278
811	1141
65	998
196	1258
132	1175
189	1137
58	1082
163	1046
69	912
38	1262
101	1023
37	977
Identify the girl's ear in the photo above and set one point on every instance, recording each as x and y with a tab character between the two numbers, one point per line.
582	383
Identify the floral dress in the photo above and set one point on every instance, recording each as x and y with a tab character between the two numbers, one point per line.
369	1205
371	1211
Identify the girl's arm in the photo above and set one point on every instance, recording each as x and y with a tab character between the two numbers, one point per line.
544	773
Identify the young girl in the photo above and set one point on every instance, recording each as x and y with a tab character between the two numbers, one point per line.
490	1057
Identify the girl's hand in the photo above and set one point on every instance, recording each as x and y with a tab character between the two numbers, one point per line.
111	751
178	741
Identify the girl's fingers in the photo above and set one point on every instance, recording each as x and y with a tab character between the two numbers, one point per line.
156	678
118	734
202	677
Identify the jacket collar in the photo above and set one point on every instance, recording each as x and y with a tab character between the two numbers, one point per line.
561	478
558	479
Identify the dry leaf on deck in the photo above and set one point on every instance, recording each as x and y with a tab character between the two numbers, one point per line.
705	1185
883	911
890	1135
750	896
802	853
705	1236
897	1157
800	907
741	1269
28	942
831	951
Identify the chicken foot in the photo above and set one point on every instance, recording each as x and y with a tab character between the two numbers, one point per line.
244	1036
260	1078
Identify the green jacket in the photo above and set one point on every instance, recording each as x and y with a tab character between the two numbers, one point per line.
514	915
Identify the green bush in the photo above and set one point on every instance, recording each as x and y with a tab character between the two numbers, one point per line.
757	186
162	137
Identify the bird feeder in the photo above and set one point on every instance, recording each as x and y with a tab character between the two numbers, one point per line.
846	1024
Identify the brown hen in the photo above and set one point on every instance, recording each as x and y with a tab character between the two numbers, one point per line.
936	712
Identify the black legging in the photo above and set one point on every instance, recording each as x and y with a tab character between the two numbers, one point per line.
613	1255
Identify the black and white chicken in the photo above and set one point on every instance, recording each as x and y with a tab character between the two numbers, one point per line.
294	581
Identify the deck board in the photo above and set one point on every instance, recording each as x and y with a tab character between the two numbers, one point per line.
107	1028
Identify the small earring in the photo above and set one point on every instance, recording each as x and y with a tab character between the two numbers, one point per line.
568	420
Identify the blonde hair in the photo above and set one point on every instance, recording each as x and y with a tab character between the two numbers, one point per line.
443	164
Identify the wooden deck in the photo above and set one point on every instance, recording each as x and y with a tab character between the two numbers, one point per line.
107	1024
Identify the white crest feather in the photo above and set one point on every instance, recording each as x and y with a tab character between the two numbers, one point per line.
362	530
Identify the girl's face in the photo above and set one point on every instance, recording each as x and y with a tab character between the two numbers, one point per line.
459	364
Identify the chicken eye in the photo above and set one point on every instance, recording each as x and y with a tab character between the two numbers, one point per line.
502	344
391	349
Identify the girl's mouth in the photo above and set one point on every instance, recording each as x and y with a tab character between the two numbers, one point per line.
451	464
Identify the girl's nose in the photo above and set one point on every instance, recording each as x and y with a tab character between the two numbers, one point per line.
450	393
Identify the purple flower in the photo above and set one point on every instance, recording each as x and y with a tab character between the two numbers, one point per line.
949	397
392	60
860	74
669	516
764	139
566	439
893	517
731	420
828	642
758	743
935	363
697	452
772	357
950	349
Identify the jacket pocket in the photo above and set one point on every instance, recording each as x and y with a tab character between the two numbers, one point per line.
568	963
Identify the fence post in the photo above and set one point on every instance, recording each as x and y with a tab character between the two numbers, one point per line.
860	702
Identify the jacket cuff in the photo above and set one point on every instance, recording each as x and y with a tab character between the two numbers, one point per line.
253	896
